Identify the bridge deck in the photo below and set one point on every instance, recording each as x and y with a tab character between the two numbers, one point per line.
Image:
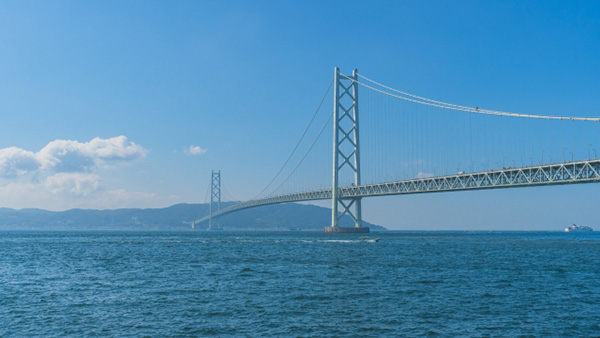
550	174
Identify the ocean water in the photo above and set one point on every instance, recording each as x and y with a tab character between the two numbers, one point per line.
299	284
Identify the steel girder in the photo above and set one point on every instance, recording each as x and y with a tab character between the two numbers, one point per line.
550	174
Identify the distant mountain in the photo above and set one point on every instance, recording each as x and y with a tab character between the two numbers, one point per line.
285	216
290	216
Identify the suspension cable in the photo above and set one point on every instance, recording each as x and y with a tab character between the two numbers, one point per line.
228	192
206	195
425	101
307	152
297	144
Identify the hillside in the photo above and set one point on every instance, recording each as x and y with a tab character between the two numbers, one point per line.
180	216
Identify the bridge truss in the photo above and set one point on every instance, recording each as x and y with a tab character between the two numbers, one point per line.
551	174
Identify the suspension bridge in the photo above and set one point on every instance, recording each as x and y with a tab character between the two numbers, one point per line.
407	144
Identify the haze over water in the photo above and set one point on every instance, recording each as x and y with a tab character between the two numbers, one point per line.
299	284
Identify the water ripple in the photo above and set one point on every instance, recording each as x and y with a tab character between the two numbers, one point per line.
298	284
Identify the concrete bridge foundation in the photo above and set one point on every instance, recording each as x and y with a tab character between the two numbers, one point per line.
346	230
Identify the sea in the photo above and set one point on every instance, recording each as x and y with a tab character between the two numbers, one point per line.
299	284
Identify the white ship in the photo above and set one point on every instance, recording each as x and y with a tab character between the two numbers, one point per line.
368	239
576	228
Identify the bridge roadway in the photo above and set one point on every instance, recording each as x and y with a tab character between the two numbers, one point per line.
549	174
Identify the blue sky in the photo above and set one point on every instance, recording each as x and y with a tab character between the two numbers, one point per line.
132	84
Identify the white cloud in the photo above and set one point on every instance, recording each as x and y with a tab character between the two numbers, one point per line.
16	162
72	184
63	191
116	148
193	150
65	174
69	156
63	155
424	175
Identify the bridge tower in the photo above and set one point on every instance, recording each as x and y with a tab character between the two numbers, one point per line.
215	195
346	150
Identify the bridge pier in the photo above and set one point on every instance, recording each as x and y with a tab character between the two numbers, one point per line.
346	230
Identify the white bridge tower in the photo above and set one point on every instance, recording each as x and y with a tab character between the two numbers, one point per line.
346	151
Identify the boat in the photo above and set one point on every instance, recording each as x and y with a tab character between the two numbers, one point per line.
578	228
368	239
